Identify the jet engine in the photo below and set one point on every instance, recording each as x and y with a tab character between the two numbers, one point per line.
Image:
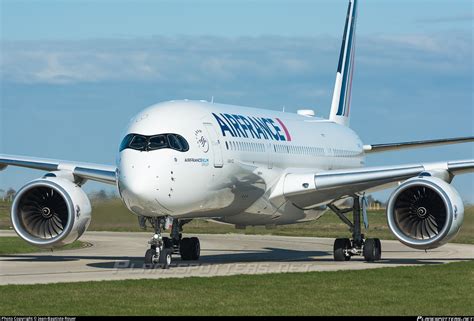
51	212
425	212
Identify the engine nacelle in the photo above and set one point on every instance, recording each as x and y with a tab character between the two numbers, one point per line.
425	212
51	212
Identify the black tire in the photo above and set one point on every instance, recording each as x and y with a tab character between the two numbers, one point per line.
378	245
149	258
340	247
167	243
190	249
165	258
185	249
195	248
371	250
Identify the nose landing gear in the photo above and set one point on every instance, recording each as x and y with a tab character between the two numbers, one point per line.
345	248
162	248
157	256
159	253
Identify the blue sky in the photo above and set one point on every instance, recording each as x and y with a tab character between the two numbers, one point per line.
73	19
73	72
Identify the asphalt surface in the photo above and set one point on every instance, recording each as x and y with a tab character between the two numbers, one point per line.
118	256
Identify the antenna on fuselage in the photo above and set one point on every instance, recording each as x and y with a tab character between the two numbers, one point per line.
212	99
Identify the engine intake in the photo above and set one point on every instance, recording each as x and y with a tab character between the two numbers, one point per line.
425	212
50	212
43	212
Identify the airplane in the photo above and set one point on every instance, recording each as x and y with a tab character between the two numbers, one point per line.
183	160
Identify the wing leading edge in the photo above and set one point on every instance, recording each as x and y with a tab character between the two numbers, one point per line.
309	189
85	171
375	148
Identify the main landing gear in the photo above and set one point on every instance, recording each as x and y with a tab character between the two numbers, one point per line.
345	248
162	248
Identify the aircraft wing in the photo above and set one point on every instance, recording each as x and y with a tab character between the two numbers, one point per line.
83	171
376	148
309	189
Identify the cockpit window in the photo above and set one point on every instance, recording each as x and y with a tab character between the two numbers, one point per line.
126	142
155	142
183	142
174	142
138	142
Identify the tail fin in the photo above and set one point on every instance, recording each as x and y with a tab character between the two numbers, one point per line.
341	99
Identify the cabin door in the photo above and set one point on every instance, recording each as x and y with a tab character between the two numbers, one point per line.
215	144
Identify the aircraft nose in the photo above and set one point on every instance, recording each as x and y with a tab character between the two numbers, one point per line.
133	185
137	180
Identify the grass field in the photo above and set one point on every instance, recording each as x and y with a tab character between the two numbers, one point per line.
113	216
423	290
15	245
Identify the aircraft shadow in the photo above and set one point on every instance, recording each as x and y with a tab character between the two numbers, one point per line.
62	258
235	256
231	256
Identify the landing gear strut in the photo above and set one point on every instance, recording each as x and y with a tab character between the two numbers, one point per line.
345	248
159	252
162	248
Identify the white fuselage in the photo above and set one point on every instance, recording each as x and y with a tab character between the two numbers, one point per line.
236	156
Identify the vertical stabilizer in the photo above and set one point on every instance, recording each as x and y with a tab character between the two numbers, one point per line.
341	99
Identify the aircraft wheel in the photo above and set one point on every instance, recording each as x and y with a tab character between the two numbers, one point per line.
190	248
341	247
150	257
167	242
196	248
165	258
372	250
378	245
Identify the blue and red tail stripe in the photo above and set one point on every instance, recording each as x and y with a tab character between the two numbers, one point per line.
347	59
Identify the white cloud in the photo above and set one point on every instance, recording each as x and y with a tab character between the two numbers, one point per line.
191	60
